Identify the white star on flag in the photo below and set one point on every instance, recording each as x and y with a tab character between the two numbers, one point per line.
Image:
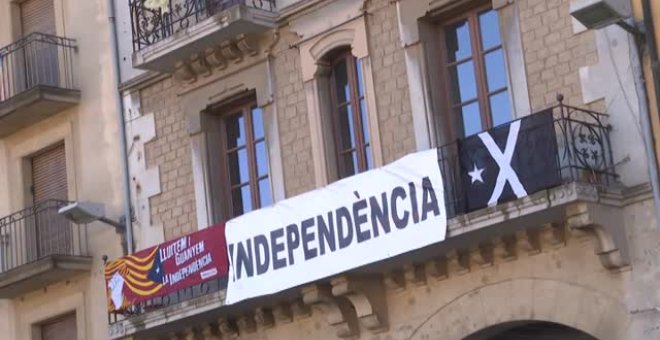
475	174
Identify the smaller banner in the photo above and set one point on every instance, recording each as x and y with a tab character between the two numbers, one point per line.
510	161
359	220
171	266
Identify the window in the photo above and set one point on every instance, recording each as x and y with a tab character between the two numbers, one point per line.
245	159
62	328
48	169
475	72
37	16
349	115
47	181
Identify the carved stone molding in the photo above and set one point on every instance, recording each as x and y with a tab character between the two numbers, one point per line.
459	261
246	44
246	324
414	274
215	58
485	257
189	334
337	311
554	234
199	65
231	52
367	295
184	73
437	268
227	329
282	313
300	310
530	240
208	333
606	224
508	250
264	318
394	280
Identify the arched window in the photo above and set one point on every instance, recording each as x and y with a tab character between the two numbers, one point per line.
350	130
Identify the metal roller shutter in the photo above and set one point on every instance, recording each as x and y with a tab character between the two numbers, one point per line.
63	328
38	16
49	175
51	233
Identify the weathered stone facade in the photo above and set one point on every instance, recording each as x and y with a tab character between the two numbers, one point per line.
581	255
174	207
393	99
554	52
292	117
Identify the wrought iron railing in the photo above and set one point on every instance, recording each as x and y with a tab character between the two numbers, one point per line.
151	24
38	232
584	154
36	60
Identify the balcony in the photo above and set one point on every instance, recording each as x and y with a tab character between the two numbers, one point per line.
581	193
36	80
583	155
40	247
206	31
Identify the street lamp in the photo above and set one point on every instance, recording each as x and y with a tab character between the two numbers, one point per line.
87	212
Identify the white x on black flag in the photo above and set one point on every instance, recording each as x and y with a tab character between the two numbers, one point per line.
510	161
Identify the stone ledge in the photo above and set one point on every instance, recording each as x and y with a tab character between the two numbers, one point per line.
34	105
35	275
164	55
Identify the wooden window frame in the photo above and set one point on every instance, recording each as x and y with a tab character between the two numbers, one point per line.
471	14
243	106
355	98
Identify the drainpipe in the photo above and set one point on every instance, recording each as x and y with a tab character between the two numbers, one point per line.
652	46
122	127
645	102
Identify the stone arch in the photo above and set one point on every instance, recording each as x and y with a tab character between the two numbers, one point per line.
333	40
538	330
596	313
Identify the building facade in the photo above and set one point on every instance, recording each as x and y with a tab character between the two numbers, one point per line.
58	140
231	106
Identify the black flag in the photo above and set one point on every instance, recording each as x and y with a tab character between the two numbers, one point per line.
510	161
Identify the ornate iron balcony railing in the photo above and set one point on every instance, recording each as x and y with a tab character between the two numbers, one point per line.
37	232
584	154
151	25
36	60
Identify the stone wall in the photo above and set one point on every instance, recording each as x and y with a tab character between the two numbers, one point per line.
174	207
390	79
553	52
292	118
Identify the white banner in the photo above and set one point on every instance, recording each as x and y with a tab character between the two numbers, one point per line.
350	223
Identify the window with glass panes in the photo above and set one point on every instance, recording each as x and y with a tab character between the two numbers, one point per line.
475	71
349	115
246	160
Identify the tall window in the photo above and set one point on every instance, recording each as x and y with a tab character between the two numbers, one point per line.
475	71
349	115
245	160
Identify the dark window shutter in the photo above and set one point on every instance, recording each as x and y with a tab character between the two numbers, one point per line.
38	16
49	175
63	328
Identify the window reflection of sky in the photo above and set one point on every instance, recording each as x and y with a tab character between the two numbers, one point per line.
464	84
